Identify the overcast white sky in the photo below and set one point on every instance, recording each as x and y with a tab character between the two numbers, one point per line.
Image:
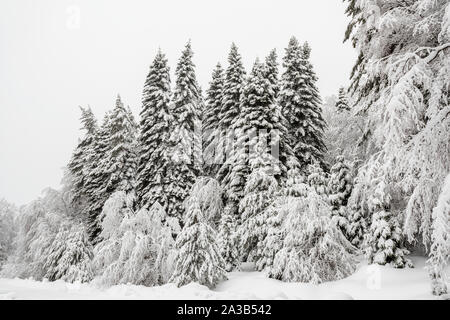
50	64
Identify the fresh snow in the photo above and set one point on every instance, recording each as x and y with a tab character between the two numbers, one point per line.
369	282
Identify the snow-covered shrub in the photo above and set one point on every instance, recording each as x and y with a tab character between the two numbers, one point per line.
136	247
314	249
317	179
38	226
69	257
440	248
228	239
209	194
8	215
198	258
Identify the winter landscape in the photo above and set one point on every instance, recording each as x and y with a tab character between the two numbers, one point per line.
254	185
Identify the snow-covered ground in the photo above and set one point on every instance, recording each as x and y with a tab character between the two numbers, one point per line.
369	282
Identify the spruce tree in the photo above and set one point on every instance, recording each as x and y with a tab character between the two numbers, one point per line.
384	242
155	129
82	156
230	111
186	110
271	64
228	239
198	259
114	165
342	103
317	179
211	118
300	102
259	193
121	156
260	118
340	188
96	179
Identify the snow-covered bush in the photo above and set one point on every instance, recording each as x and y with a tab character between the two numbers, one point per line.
209	194
317	179
70	255
7	229
38	225
198	258
440	248
137	248
228	239
314	249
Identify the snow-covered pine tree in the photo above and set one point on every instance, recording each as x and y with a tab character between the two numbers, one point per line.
96	179
358	212
198	259
210	196
186	111
260	118
317	179
314	249
155	129
271	65
121	156
70	255
340	188
231	101
228	239
440	248
81	158
300	103
211	118
384	243
232	89
114	166
260	190
342	102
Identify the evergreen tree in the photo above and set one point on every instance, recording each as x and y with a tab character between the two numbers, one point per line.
96	179
340	189
230	111
82	156
300	102
317	179
155	128
260	118
69	257
186	111
233	85
272	71
228	239
198	258
121	156
342	103
259	193
384	242
211	118
114	166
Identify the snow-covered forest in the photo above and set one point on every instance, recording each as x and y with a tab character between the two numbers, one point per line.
258	169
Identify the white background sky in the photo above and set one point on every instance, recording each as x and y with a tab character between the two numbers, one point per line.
49	66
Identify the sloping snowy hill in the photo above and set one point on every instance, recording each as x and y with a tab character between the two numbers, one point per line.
369	282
